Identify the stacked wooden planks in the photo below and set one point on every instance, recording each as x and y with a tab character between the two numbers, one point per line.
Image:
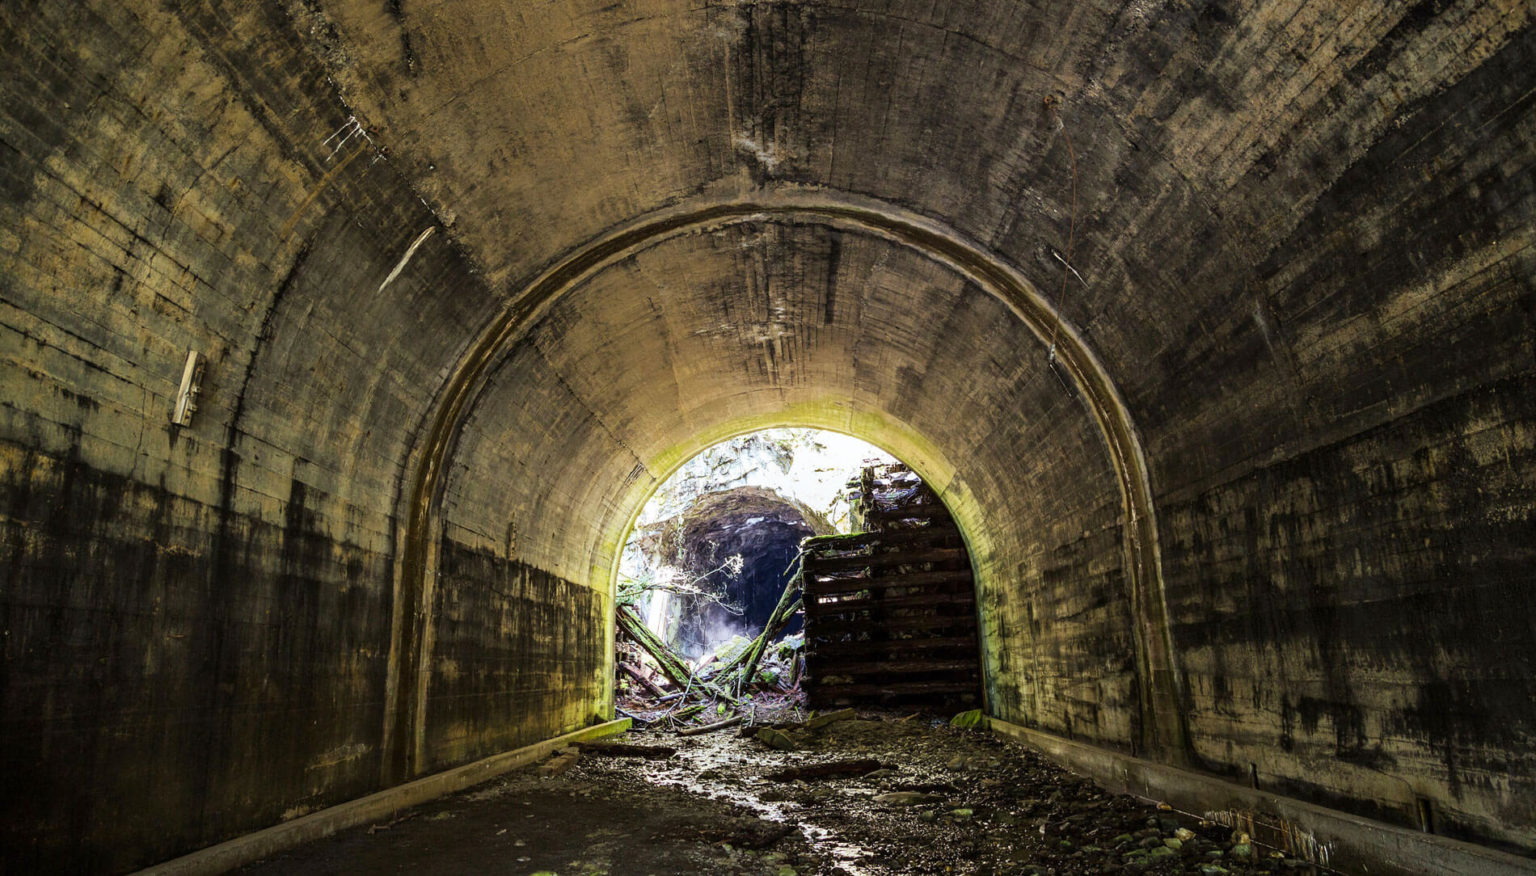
890	614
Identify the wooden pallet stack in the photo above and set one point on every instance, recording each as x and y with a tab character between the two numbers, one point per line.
890	613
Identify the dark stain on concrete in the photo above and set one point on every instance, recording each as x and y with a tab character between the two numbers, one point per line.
518	653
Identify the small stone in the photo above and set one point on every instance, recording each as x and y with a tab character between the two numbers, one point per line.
786	870
1122	839
1213	870
928	815
961	812
1173	843
1161	853
1184	834
1151	842
559	763
1242	851
776	739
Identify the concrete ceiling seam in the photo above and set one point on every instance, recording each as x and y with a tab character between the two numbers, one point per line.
1162	725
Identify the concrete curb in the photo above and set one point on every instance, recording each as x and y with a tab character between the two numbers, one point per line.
1326	836
255	846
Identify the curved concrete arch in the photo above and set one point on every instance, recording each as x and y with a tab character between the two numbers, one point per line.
1080	367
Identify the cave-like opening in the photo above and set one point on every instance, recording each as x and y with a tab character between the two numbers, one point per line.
714	547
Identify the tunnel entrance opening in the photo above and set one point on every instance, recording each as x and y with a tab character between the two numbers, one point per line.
710	562
738	548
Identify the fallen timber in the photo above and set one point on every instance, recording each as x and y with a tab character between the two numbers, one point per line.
711	728
668	662
625	749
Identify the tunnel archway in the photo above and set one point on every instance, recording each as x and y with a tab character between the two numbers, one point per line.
713	547
829	401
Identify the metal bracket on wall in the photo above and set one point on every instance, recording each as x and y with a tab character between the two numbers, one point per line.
191	384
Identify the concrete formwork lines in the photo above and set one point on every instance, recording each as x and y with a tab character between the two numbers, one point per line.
1162	717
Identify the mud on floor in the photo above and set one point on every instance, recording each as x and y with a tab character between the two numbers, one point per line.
943	801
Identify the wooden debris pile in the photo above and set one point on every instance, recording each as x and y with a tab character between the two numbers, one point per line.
890	619
890	614
741	682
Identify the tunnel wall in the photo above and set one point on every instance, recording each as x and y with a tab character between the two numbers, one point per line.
1301	246
1298	239
1296	234
522	638
1350	595
198	619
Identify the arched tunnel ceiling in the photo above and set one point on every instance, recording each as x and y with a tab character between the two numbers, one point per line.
536	127
771	322
1201	144
800	311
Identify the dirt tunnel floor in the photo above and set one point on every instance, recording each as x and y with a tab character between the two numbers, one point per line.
959	802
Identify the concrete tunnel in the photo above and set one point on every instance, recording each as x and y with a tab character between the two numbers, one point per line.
1212	321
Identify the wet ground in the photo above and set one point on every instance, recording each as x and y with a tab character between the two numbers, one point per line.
943	800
